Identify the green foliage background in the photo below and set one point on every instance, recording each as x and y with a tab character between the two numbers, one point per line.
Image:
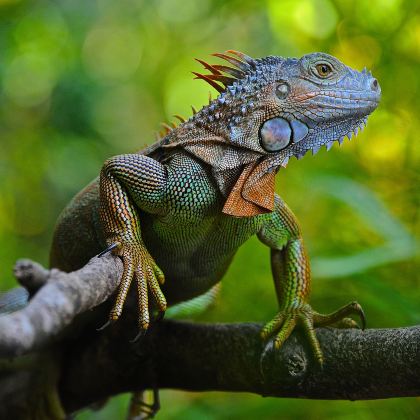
84	80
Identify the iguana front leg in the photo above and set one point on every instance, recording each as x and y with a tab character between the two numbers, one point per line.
292	278
128	182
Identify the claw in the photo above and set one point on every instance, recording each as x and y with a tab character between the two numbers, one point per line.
362	316
140	334
107	324
359	311
108	249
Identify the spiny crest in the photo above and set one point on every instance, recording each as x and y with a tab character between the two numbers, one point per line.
167	128
243	72
221	76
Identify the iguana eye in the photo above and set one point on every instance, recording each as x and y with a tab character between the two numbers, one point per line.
282	90
323	69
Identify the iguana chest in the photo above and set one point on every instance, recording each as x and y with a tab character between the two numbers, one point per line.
192	211
193	240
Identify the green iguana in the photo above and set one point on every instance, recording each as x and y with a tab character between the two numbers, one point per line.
177	211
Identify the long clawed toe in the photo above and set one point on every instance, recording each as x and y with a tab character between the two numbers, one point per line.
285	331
307	323
282	325
159	317
140	266
285	322
271	327
340	318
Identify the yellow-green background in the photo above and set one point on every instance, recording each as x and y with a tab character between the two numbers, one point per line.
82	80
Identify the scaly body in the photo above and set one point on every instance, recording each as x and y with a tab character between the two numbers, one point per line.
178	211
192	244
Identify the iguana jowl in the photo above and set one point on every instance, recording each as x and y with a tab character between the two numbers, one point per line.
177	211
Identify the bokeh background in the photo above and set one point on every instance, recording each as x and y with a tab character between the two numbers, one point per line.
84	80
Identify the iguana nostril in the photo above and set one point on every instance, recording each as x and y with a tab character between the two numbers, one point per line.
374	85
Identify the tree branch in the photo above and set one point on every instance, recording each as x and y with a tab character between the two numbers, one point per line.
376	363
57	303
94	365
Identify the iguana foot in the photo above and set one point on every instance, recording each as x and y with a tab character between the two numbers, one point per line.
303	315
140	266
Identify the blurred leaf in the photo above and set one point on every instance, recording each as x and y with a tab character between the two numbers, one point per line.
400	244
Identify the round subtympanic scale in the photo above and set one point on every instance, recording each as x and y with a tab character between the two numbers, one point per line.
275	134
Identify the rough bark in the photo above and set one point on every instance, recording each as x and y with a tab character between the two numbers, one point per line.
358	364
90	365
57	303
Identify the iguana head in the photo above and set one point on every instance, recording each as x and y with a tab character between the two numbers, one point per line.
272	108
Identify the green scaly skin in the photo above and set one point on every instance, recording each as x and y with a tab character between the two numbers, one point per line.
177	212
